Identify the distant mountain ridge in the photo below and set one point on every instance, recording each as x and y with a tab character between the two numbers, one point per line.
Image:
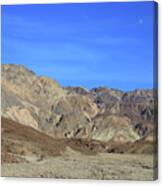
74	112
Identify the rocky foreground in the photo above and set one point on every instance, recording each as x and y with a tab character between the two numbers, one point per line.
73	165
100	133
29	153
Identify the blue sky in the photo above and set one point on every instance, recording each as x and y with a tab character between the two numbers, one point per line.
90	45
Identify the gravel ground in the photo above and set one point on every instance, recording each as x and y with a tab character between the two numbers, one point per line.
75	165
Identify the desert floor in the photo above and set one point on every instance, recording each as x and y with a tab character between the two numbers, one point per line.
73	164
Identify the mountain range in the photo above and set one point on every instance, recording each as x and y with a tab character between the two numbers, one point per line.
101	115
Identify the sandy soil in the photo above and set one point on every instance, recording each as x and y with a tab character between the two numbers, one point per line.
73	164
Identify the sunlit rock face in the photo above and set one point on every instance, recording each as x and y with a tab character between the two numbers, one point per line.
102	113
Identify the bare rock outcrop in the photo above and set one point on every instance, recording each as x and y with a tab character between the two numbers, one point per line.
74	112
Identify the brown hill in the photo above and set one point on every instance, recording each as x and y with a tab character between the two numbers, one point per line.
24	144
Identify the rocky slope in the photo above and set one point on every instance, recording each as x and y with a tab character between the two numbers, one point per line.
103	114
25	144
